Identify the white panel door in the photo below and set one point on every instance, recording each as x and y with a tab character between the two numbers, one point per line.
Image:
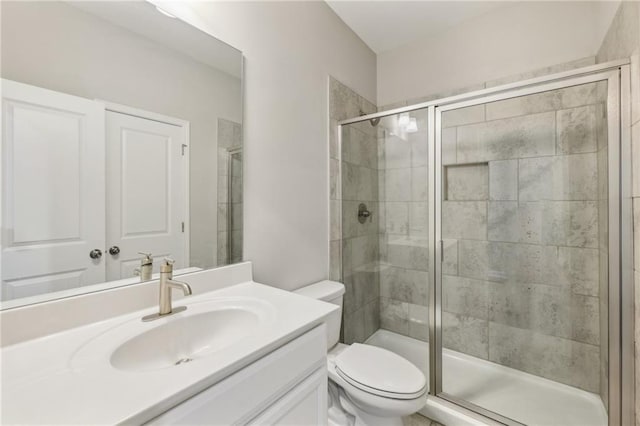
146	200
52	190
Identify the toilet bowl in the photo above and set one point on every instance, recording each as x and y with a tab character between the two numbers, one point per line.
368	386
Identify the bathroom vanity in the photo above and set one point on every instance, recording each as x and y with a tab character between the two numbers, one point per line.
288	386
241	353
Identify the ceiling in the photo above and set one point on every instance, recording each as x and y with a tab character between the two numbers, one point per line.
385	25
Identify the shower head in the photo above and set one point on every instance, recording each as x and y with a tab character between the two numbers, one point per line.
374	121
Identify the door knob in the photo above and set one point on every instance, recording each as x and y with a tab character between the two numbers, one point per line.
95	254
114	250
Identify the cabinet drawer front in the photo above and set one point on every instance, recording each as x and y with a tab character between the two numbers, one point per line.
304	405
241	396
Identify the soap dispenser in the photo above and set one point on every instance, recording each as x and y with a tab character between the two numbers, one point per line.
145	269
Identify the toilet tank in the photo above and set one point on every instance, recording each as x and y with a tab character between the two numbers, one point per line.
331	292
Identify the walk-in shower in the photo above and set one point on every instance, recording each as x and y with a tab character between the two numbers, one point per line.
495	254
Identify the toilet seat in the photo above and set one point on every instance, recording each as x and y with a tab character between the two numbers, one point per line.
380	372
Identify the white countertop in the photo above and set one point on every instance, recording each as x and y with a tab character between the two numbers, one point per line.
42	385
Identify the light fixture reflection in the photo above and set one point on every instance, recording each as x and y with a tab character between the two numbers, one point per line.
412	127
404	120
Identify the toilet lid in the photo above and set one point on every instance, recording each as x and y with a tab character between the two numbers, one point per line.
381	372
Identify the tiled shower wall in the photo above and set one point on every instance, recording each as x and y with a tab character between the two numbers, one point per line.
229	137
520	224
623	41
354	249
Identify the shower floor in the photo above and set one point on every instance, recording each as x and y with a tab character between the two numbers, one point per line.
520	396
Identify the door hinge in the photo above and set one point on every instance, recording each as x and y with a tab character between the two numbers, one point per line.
182	226
183	148
441	251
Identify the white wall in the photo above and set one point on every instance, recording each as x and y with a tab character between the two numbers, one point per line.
290	49
506	41
77	53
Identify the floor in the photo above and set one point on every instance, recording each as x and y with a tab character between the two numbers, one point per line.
521	396
419	420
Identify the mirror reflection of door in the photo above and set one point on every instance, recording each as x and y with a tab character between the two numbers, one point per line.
53	191
55	195
146	189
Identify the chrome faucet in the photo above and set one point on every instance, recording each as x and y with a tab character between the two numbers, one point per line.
166	285
145	270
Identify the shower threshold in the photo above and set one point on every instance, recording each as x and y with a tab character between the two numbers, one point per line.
524	397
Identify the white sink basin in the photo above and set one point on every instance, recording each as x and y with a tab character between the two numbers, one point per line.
203	329
184	339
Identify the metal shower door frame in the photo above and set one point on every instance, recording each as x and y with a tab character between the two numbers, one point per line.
620	284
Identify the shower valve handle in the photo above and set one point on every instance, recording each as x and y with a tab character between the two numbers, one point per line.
364	213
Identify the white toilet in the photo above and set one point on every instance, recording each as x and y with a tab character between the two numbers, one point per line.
368	386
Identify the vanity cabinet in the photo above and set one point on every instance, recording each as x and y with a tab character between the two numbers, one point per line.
286	387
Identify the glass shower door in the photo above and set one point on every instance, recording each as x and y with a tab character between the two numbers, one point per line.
523	223
384	233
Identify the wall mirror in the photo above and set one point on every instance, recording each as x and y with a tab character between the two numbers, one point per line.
121	135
